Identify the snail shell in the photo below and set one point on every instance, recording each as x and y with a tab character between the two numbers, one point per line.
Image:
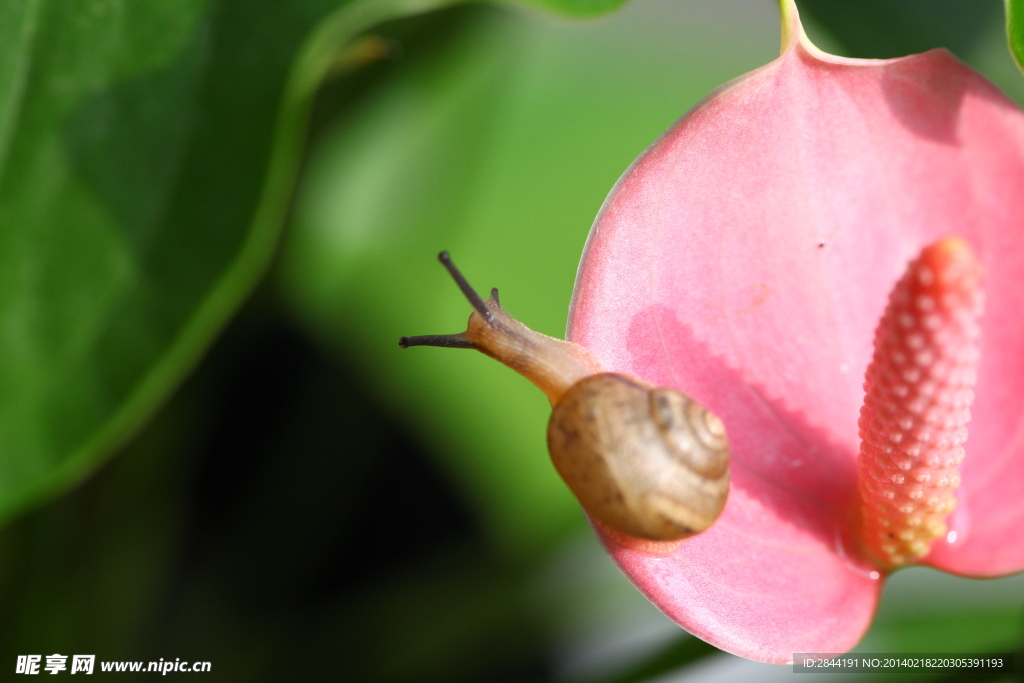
648	461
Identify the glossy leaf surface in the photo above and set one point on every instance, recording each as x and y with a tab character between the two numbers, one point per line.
1015	30
147	156
746	258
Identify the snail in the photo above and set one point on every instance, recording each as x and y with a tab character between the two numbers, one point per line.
645	461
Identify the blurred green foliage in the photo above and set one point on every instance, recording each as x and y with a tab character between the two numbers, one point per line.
500	142
315	504
882	29
1015	30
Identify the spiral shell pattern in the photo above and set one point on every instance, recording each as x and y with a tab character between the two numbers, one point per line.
649	462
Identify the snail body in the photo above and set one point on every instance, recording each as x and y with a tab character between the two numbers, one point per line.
648	462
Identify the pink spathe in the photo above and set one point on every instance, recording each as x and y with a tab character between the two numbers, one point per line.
746	259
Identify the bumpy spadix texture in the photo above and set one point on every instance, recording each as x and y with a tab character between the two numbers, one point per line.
746	259
919	389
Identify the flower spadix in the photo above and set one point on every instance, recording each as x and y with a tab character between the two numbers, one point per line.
813	219
919	389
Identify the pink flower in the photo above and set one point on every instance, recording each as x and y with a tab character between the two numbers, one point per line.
747	258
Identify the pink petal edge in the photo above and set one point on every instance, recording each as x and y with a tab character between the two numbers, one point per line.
745	258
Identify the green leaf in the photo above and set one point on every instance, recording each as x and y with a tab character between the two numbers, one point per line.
879	29
135	141
147	157
1015	30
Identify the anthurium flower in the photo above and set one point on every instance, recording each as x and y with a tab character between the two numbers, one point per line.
750	258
